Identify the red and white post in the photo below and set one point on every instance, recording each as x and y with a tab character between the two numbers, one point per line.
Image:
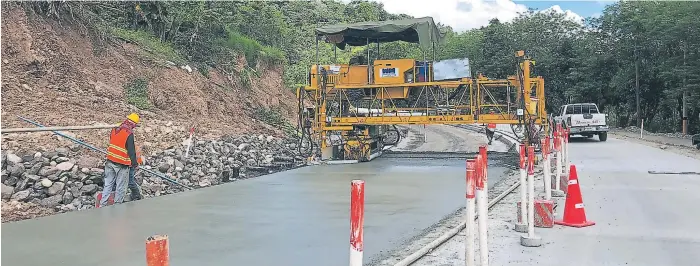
521	223
189	143
557	192
470	246
567	161
547	169
483	209
157	251
531	240
357	220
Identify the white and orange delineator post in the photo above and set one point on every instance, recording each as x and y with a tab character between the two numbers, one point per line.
567	161
470	245
546	167
483	205
521	211
357	220
530	239
189	143
557	191
157	251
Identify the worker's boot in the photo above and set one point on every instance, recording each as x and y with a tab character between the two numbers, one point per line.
136	194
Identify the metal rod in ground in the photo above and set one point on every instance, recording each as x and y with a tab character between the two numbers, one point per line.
530	239
357	218
672	173
521	226
470	245
40	129
84	144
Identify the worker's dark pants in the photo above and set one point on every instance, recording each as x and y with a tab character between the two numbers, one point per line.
133	186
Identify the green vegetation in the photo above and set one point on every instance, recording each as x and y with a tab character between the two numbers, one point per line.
653	44
150	43
274	118
137	93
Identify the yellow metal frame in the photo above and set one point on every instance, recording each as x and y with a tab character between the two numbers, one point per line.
478	103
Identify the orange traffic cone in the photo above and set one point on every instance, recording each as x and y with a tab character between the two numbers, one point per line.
574	213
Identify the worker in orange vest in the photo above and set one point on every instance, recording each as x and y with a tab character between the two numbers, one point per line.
490	130
133	186
121	155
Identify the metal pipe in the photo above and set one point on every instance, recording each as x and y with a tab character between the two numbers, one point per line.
105	152
449	234
369	66
39	129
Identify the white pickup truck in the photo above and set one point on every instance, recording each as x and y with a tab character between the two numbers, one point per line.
583	119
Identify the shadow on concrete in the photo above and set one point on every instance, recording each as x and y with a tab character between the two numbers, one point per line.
580	139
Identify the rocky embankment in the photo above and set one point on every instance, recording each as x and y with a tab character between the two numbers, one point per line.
39	183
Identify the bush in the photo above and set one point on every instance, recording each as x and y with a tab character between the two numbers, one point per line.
137	93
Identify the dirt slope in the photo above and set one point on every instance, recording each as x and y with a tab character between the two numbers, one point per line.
50	73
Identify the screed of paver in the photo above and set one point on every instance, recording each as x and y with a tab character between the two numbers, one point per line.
641	219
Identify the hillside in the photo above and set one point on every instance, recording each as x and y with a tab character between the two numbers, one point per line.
53	74
56	74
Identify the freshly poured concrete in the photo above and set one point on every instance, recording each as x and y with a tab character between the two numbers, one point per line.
298	217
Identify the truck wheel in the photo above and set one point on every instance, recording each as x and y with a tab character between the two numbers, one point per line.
603	136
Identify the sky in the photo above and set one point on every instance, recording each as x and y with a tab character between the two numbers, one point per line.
463	15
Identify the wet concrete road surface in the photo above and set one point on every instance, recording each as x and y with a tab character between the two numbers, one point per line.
297	217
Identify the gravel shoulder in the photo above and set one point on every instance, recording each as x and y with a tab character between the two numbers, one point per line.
681	146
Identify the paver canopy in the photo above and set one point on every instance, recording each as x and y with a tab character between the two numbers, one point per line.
416	30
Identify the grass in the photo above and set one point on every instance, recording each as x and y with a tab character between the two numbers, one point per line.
252	49
274	118
150	43
137	93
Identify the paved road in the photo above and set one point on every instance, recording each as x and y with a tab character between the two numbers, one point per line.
641	219
298	217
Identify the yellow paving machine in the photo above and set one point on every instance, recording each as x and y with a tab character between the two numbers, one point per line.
349	111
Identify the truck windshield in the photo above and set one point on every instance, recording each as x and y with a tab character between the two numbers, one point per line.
581	109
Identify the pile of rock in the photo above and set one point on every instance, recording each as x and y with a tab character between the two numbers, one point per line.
216	161
50	179
63	180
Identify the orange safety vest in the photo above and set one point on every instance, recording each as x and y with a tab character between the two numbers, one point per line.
116	151
138	154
